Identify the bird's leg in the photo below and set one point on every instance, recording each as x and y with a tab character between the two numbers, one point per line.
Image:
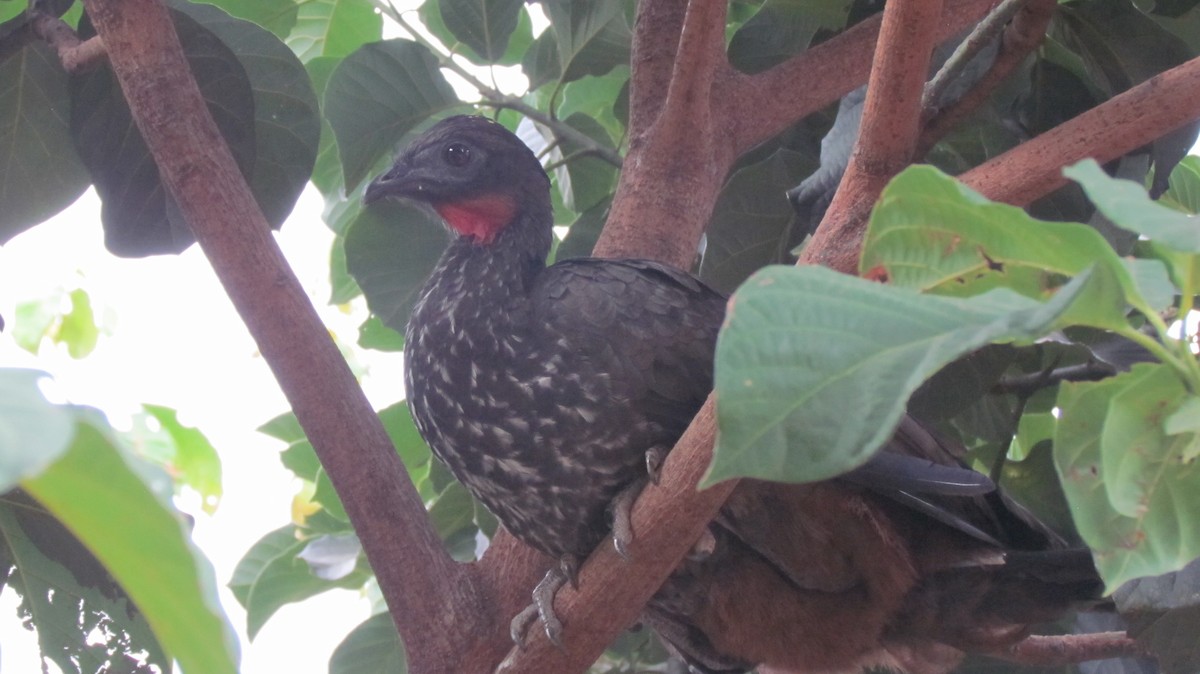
622	506
542	607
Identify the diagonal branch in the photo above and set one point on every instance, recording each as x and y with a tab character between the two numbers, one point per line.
419	580
888	134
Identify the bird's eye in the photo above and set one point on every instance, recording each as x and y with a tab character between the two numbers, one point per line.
457	154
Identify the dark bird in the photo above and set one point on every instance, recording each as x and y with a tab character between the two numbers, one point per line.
553	392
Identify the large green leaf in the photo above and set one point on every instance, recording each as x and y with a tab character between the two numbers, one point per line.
333	28
109	502
585	180
390	250
803	347
277	16
372	647
483	25
378	94
271	575
85	623
287	121
1133	496
752	223
932	233
783	28
1128	205
40	173
138	215
586	37
1162	613
189	457
33	433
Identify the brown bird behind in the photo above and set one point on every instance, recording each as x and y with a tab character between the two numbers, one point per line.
545	389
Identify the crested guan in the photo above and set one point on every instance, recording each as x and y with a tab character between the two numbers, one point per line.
552	392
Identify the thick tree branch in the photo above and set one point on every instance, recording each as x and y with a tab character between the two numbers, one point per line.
430	597
657	27
1118	126
769	102
667	520
888	134
1022	36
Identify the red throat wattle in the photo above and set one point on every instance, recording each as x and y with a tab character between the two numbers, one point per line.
480	218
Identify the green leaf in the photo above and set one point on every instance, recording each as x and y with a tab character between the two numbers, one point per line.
752	222
283	427
333	28
138	216
1186	419
391	248
287	120
1132	495
398	422
1162	613
594	97
33	321
40	173
372	647
781	29
84	621
373	334
803	345
271	575
277	16
78	329
378	94
483	25
194	461
33	433
932	233
589	37
586	180
104	499
583	234
1128	206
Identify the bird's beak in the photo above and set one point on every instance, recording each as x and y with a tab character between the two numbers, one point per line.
396	182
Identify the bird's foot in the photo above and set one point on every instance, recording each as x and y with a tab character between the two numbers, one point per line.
542	607
622	506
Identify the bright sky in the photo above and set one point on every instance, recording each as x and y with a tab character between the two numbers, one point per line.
177	342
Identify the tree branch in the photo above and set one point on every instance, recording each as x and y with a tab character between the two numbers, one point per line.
1023	35
657	28
431	598
888	134
1118	126
769	102
74	55
1069	649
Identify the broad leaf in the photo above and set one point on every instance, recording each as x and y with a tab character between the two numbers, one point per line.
287	121
124	519
586	37
40	173
1132	495
752	223
482	25
191	459
783	28
1129	206
801	346
372	647
390	250
333	28
85	622
277	16
1162	613
378	94
138	215
585	180
33	432
271	574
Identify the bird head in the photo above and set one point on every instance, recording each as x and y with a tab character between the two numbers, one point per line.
473	172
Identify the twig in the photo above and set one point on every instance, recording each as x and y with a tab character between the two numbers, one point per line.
980	37
1023	35
75	56
1030	383
1070	649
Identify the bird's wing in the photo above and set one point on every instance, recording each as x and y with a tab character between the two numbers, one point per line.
655	325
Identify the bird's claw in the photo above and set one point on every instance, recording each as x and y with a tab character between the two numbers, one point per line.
654	463
622	521
542	607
